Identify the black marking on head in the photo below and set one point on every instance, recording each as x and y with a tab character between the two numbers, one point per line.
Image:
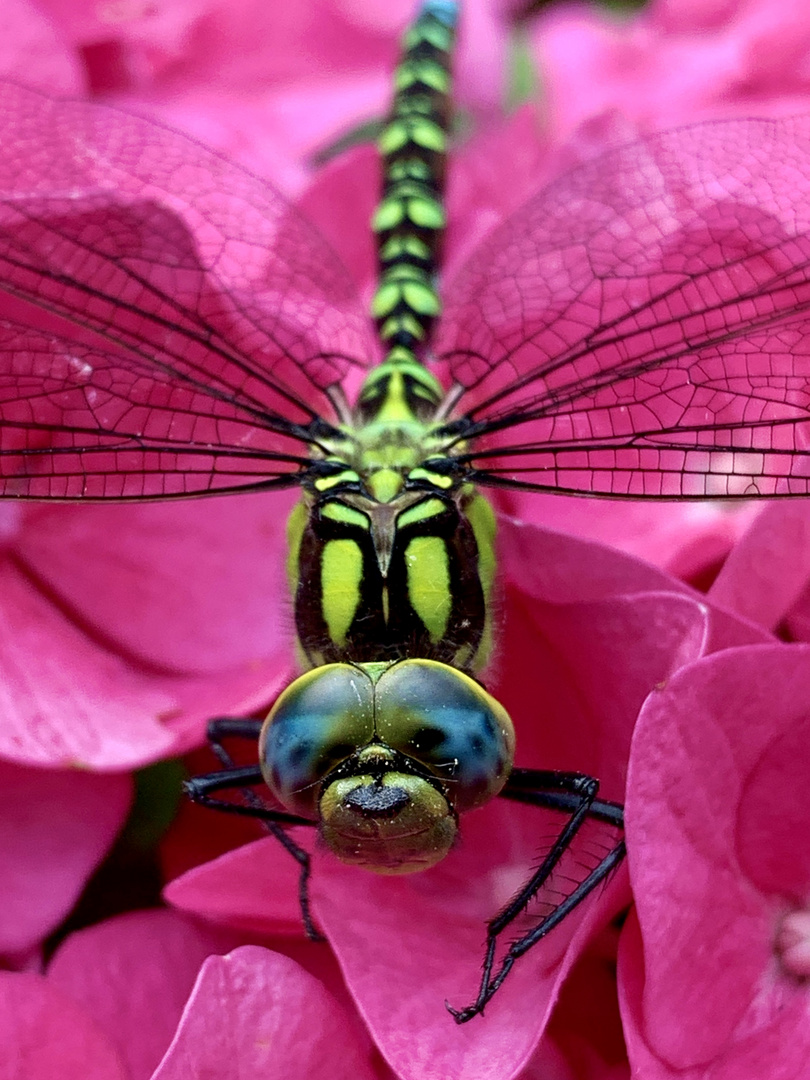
378	800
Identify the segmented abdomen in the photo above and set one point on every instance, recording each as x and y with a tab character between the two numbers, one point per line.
410	217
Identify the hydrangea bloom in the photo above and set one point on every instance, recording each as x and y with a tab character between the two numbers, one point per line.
716	816
671	63
268	84
124	628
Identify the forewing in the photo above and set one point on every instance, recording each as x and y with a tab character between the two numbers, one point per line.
642	327
170	323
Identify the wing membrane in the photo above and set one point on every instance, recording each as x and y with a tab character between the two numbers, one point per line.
642	327
167	318
79	423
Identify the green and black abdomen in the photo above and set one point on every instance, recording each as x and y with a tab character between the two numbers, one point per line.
429	597
410	217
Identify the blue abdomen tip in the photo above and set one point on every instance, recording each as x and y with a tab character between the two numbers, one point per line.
446	10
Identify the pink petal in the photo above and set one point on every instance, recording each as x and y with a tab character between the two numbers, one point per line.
202	584
133	975
406	945
792	943
715	819
253	888
254	1012
64	700
774	1046
194	596
344	192
55	828
477	197
43	1034
555	568
573	677
768	569
688	540
32	52
693	15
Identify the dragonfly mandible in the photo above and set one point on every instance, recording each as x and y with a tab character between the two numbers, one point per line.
172	327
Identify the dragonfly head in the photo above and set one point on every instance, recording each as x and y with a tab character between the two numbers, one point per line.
385	757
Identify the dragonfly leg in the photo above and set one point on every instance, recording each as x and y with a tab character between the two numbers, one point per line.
232	777
200	790
575	795
231	727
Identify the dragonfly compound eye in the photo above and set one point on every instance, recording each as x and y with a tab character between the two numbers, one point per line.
447	723
320	720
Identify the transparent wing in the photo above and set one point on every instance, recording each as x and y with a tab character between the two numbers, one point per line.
170	325
642	327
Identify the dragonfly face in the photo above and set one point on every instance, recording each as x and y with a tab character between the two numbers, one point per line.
386	756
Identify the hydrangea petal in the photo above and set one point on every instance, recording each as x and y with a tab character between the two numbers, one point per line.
69	698
257	1013
768	570
202	591
55	828
573	677
254	887
64	700
32	52
43	1034
133	975
716	816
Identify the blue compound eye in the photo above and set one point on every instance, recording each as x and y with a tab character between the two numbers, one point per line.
448	723
317	722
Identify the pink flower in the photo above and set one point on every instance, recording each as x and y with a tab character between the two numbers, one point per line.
55	828
267	84
670	64
122	995
123	628
716	819
767	575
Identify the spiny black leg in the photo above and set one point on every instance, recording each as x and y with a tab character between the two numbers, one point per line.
570	793
241	778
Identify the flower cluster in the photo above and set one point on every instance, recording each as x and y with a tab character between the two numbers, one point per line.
664	649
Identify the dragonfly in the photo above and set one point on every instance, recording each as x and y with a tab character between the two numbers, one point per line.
172	327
